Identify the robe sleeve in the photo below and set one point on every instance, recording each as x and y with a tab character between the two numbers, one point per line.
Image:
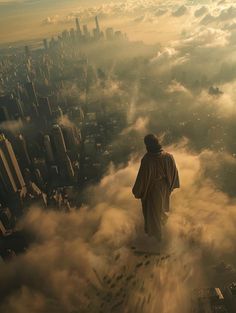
142	181
172	173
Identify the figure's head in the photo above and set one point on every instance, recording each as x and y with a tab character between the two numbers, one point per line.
152	143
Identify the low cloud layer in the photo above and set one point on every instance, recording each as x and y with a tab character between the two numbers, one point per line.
75	255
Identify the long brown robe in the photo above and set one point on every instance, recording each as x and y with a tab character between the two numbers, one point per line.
156	179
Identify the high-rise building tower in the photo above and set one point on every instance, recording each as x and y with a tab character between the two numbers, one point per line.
63	159
48	149
72	34
95	33
33	101
97	24
45	44
24	158
12	162
69	168
86	32
110	33
13	106
45	107
4	116
7	183
31	92
78	29
59	142
27	52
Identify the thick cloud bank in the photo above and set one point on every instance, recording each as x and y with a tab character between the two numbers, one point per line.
83	261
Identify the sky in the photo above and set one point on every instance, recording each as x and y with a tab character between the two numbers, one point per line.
23	20
150	21
31	19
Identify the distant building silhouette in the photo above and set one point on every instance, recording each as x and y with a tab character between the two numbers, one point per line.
27	52
10	156
32	97
45	44
44	107
24	158
109	33
7	181
4	116
12	184
86	32
61	153
48	149
11	107
78	29
97	25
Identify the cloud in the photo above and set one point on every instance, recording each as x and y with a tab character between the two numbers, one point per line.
51	20
207	19
77	254
164	55
200	11
140	125
180	11
223	14
160	12
176	87
207	37
12	126
65	121
229	13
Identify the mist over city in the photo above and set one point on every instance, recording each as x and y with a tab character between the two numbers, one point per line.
81	84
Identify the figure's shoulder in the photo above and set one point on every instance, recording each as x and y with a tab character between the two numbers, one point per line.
145	158
166	155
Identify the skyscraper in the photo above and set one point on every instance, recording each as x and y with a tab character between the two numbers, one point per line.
12	184
63	159
72	34
59	142
31	92
27	52
78	29
7	183
97	25
69	168
13	106
45	44
45	107
48	149
12	162
4	116
110	33
32	98
24	158
86	32
95	33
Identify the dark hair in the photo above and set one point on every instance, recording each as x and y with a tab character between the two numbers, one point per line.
152	143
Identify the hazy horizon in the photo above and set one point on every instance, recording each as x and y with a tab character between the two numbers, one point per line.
148	21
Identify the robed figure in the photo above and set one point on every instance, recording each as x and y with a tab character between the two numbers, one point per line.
156	179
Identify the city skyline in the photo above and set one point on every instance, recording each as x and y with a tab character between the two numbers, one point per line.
149	21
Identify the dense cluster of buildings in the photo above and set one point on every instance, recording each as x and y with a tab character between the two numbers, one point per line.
40	155
82	35
53	142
